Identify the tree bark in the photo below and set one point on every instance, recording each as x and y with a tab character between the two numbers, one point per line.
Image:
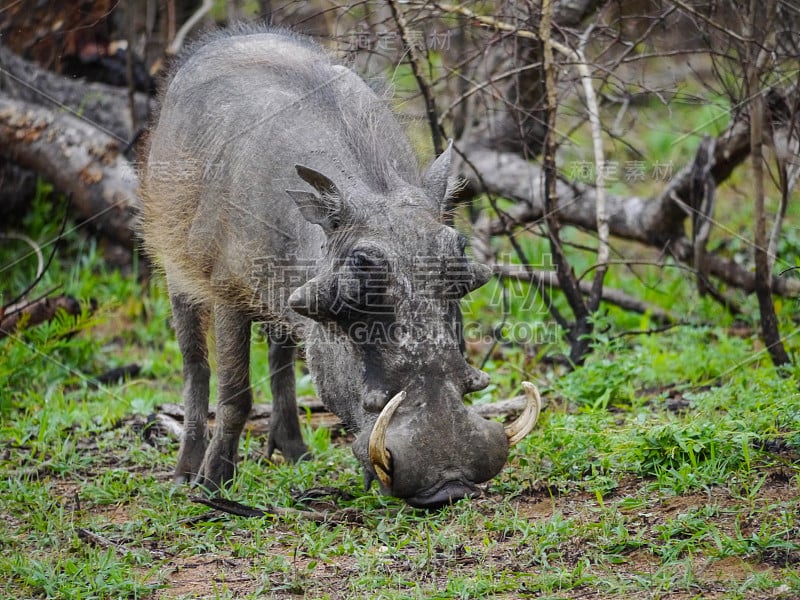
105	106
78	159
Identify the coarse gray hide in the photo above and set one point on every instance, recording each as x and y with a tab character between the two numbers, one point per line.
280	189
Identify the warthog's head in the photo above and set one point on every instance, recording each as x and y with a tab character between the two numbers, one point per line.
386	351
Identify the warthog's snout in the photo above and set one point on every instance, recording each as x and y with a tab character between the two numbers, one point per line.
430	467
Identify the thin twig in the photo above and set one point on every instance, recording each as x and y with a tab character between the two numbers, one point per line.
177	43
599	162
759	17
503	26
102	541
651	331
612	296
709	21
702	195
131	34
578	333
496	336
484	84
242	510
41	271
787	178
424	88
37	249
503	217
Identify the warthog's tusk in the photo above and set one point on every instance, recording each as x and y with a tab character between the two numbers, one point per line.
517	430
379	456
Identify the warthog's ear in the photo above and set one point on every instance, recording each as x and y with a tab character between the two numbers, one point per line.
325	209
435	180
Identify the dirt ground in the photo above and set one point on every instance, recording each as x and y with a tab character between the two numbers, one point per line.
204	575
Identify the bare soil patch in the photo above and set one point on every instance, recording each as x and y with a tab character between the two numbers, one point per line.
204	575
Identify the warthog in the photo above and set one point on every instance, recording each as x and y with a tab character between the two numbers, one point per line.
280	189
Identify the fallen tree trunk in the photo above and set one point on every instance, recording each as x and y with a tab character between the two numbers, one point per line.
34	313
657	221
105	106
652	221
78	159
612	296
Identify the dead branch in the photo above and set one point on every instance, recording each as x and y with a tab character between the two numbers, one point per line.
515	119
117	374
784	123
759	56
101	541
702	196
177	43
170	416
493	23
657	222
599	162
422	83
34	313
581	328
654	221
708	20
612	296
105	106
169	424
259	411
242	510
730	272
78	159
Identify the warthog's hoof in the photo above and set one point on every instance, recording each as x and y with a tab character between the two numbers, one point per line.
292	450
219	464
189	460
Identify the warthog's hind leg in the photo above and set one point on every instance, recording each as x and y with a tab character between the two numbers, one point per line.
191	323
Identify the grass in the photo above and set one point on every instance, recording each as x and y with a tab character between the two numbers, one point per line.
666	467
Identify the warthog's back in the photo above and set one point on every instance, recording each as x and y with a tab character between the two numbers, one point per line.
237	115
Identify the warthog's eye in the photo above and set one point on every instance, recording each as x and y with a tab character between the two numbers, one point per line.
361	285
359	260
366	260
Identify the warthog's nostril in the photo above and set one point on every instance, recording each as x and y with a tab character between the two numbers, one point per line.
375	401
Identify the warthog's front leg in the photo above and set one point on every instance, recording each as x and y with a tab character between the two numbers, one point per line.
191	322
232	330
284	427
